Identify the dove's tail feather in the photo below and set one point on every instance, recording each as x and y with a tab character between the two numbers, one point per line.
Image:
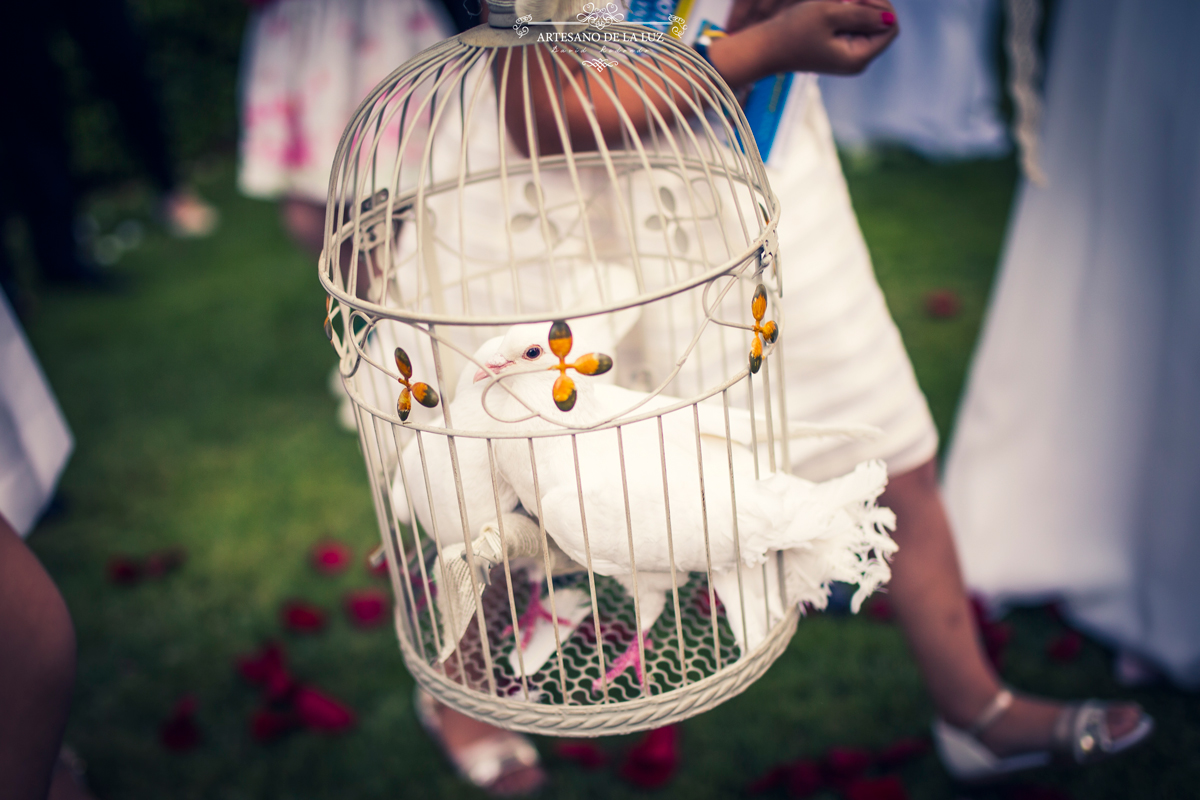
836	533
854	545
819	510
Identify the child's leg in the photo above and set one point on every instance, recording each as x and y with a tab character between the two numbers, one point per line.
930	600
37	668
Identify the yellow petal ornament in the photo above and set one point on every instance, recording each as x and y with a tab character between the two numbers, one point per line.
589	364
423	392
763	332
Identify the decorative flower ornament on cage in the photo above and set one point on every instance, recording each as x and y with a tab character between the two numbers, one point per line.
613	541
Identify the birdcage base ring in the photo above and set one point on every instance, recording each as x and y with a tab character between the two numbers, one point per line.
613	719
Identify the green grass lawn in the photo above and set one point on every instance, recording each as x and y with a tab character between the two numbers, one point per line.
199	404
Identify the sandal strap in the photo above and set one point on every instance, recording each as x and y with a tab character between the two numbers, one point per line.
1081	732
994	710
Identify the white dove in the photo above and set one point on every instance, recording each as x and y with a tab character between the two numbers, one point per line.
827	531
442	518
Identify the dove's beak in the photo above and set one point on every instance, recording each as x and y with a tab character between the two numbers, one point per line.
495	366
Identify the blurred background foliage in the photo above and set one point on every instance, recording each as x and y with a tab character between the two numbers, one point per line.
193	49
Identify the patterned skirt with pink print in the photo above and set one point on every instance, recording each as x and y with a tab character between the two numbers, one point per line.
308	64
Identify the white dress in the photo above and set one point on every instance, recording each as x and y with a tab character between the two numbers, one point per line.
307	66
34	440
1075	466
935	89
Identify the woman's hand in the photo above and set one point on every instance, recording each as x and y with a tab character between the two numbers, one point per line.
773	36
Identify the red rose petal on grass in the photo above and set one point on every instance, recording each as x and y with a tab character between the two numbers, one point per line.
268	669
321	712
880	609
652	761
845	762
179	732
367	608
279	686
1066	647
330	557
902	751
165	561
768	781
585	754
888	788
803	778
267	725
942	303
300	617
124	570
258	668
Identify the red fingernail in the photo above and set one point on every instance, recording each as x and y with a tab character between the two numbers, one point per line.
887	18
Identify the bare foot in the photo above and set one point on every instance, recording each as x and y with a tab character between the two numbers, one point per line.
1029	725
459	732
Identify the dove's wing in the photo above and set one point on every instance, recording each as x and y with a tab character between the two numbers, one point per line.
474	469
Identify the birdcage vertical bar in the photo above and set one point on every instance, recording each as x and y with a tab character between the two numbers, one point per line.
753	422
466	115
780	361
557	102
766	392
737	541
472	570
441	559
372	474
637	600
537	494
418	550
587	547
708	570
396	551
512	601
532	134
662	450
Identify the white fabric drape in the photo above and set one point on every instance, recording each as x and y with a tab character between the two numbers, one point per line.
35	442
1075	467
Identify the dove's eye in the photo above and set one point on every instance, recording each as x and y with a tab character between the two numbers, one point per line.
533	353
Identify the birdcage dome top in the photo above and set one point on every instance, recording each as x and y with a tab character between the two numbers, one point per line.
512	173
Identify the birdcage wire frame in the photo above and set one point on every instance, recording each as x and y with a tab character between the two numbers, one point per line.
367	263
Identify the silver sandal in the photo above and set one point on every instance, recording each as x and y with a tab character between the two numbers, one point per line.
1080	735
482	763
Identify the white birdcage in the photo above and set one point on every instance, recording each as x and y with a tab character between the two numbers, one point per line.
589	191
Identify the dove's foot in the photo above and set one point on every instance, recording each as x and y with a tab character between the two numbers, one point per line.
502	763
630	658
533	614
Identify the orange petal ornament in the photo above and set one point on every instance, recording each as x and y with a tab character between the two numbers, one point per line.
589	364
766	332
423	392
